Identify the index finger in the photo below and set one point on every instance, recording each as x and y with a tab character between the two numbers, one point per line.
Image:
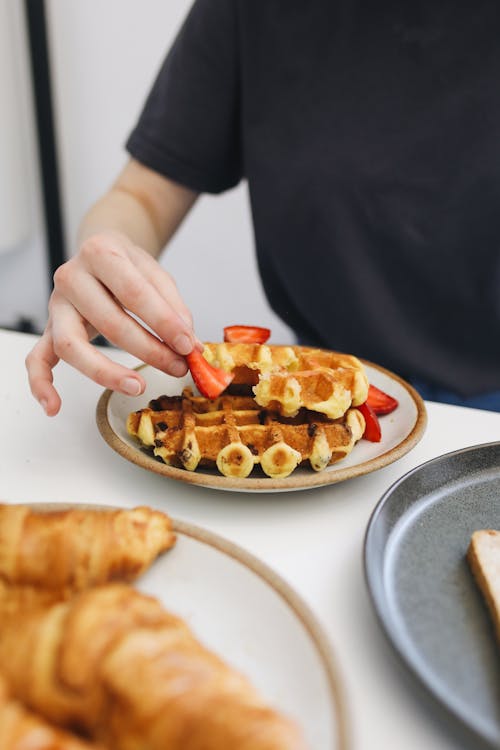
71	343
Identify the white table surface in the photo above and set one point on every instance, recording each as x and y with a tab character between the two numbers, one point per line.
312	538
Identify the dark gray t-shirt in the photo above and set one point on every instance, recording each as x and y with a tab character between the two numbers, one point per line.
369	134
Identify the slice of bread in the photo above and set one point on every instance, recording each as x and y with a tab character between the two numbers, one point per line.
483	556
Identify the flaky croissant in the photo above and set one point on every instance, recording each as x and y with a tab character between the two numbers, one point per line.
113	663
22	598
22	730
70	550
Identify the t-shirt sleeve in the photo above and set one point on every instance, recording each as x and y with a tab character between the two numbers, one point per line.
189	128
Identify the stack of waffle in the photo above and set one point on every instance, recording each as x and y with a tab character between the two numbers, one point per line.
293	405
288	378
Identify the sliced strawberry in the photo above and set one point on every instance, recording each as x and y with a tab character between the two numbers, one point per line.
372	430
209	380
246	334
381	402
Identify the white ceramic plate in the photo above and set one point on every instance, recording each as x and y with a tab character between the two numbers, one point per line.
245	613
401	430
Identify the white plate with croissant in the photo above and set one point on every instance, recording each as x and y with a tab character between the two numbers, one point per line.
123	630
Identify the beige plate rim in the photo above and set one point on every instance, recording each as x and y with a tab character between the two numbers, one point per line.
267	484
293	600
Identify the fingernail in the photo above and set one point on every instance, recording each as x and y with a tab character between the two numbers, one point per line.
131	386
44	403
183	344
177	368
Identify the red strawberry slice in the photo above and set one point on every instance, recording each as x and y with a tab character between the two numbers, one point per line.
380	402
372	430
209	380
246	334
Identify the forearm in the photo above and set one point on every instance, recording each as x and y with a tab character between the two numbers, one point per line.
118	211
142	205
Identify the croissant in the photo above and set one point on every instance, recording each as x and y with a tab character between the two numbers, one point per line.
70	550
114	664
23	730
21	598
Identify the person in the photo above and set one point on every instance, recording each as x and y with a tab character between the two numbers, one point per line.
368	136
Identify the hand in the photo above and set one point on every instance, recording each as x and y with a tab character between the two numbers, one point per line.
93	293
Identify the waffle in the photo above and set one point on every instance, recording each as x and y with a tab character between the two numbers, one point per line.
288	378
234	434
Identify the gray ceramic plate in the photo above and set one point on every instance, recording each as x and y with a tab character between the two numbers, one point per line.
422	589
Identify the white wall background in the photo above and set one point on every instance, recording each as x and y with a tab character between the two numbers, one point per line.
24	284
105	54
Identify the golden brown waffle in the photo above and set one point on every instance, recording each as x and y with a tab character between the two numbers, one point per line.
235	434
288	378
